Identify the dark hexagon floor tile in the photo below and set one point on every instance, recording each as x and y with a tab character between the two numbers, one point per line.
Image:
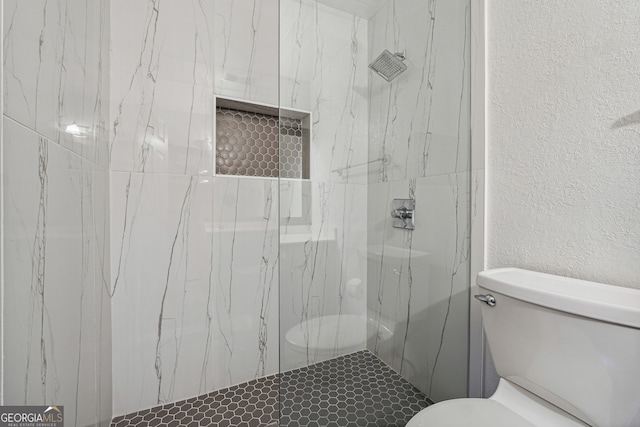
353	390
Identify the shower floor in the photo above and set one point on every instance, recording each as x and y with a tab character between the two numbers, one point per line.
353	390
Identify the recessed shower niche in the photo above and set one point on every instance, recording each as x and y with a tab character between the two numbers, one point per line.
261	140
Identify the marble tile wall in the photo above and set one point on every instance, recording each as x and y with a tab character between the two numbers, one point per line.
194	261
421	120
193	278
324	71
323	66
57	312
161	87
246	50
323	270
184	265
56	67
163	189
204	304
418	283
418	280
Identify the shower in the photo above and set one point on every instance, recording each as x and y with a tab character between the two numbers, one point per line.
389	65
223	231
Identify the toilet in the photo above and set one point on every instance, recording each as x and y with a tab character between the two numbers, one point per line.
567	352
323	338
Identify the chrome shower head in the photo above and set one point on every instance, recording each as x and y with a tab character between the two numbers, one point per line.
389	65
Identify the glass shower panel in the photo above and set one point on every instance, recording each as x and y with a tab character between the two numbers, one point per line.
323	81
354	289
419	145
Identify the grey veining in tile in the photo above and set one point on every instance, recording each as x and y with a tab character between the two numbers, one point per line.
55	75
57	350
323	269
419	280
323	237
246	39
268	284
54	79
418	283
161	92
413	119
164	314
324	71
246	279
180	238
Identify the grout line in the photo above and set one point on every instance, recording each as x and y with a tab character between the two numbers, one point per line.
49	140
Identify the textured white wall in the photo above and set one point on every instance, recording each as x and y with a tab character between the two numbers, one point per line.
564	138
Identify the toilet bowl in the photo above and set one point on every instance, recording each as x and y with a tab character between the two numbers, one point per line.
566	351
326	337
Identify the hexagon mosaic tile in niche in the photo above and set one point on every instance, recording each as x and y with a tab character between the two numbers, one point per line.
353	390
255	144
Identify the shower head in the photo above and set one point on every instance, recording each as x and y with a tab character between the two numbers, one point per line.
389	65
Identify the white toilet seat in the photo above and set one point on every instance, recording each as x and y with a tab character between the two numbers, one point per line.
509	406
468	413
325	334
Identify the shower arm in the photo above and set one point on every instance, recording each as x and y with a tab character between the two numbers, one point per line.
386	160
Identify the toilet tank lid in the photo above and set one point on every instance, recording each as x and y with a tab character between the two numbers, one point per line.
589	299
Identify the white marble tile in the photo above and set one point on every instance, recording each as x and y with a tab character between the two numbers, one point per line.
50	199
418	282
324	71
54	71
323	268
421	119
195	276
161	269
246	50
244	285
477	85
162	87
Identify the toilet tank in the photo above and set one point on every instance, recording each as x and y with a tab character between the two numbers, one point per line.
574	343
